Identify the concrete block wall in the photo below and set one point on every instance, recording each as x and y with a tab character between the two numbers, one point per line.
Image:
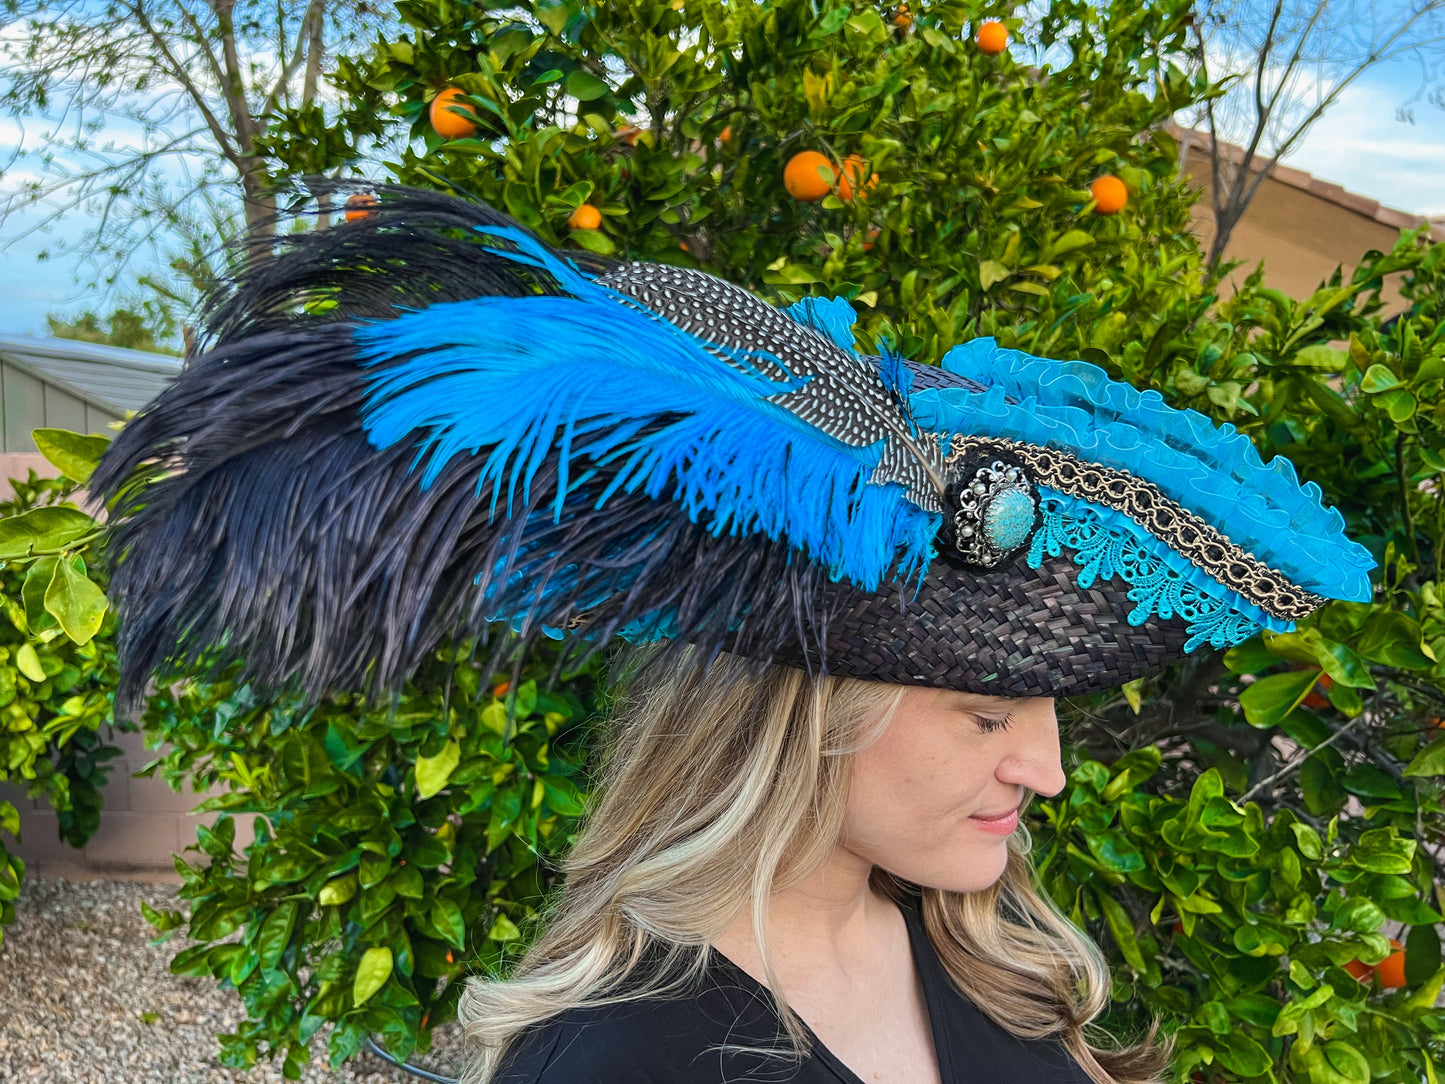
143	825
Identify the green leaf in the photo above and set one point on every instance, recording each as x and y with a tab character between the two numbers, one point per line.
585	87
1370	782
1392	639
27	661
74	600
990	272
594	241
562	796
1260	940
1240	1054
1322	357
1358	915
432	773
1377	379
1399	404
1349	1064
337	891
1428	761
1116	852
1308	841
1250	657
1422	956
504	929
276	934
446	916
9	819
1120	925
1312	646
75	455
32	593
371	973
1074	239
1270	699
42	529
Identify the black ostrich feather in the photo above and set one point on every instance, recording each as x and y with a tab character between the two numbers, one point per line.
259	520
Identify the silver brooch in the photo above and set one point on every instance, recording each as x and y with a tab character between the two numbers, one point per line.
995	513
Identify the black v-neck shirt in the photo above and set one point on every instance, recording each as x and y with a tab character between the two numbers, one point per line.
695	1039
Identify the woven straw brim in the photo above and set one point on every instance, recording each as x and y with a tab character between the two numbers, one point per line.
1009	631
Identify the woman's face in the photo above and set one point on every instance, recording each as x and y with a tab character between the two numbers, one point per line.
935	798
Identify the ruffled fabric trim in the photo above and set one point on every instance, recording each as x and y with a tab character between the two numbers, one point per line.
1213	471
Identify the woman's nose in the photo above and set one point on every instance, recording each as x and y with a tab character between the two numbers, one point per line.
1034	761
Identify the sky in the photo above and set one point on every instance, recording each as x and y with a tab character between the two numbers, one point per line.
1360	144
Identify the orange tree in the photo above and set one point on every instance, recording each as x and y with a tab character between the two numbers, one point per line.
1234	842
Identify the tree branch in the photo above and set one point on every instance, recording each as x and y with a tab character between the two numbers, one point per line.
1289	768
179	73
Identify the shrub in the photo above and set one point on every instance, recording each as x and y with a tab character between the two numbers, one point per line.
1288	828
57	666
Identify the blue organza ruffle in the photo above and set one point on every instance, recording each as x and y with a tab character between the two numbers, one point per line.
1213	471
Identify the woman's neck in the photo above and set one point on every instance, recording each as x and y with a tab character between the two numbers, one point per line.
832	920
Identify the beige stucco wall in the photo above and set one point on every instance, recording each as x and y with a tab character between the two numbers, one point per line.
1301	236
143	824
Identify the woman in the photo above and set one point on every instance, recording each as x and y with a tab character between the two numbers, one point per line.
859	583
806	797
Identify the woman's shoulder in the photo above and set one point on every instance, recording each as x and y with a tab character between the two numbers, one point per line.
657	1040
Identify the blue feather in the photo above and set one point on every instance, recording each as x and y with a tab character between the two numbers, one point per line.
832	316
514	381
1215	472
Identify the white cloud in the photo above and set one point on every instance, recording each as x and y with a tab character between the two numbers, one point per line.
1361	145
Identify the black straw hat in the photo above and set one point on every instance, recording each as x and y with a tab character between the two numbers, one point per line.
427	422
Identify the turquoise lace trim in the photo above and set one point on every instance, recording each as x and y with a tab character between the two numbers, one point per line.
1104	547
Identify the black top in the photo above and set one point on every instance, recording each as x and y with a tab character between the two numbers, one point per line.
683	1040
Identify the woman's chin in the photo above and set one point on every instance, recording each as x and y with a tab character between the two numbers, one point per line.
967	868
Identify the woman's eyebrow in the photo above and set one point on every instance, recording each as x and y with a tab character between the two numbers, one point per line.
974	700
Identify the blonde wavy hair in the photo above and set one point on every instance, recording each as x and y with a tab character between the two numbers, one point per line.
724	784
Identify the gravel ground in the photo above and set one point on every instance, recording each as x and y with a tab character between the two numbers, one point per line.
78	982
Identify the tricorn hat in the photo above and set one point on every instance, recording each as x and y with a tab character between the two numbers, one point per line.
426	422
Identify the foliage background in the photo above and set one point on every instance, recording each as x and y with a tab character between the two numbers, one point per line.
1233	831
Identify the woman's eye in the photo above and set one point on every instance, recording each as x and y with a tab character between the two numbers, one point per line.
988	724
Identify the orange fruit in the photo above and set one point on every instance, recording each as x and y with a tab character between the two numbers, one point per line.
500	689
446	123
628	134
808	176
870	238
992	38
1361	971
585	217
903	20
357	206
1392	968
1109	195
727	135
1316	698
850	177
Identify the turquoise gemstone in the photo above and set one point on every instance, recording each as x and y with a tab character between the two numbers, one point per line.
1008	520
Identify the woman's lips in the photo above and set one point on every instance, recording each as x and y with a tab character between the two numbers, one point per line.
1000	825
